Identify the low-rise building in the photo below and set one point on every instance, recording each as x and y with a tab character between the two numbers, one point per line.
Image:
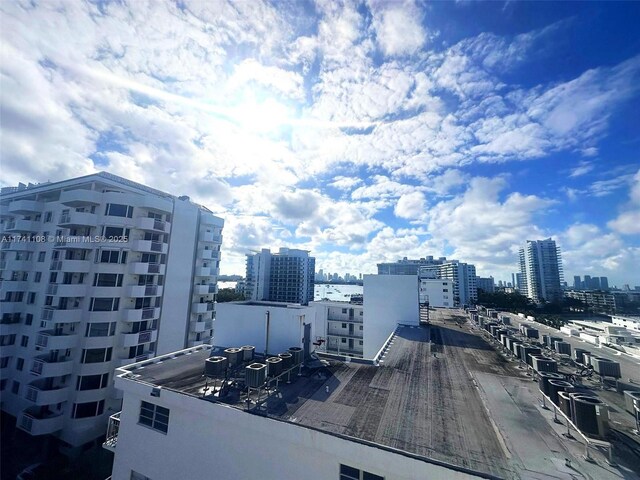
436	292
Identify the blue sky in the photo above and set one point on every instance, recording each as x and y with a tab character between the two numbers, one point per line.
364	132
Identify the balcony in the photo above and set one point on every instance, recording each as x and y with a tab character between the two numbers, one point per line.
155	203
25	207
12	286
21	226
210	237
79	197
51	396
49	340
133	339
148	246
203	307
339	334
9	327
153	225
16	265
345	319
205	289
49	368
78	219
25	245
74	266
67	290
137	291
199	327
57	315
139	268
204	272
11	307
139	314
113	428
41	423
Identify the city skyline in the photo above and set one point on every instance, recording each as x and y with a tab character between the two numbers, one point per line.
363	133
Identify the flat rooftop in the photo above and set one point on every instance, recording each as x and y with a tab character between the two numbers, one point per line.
440	392
419	399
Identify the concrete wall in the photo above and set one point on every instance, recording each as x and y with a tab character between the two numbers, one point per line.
240	324
388	301
176	304
208	440
433	291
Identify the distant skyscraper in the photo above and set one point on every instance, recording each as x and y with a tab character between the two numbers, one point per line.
486	284
577	283
286	276
604	283
587	282
541	268
595	283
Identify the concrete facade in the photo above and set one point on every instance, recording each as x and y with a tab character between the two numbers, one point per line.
437	293
541	269
85	265
271	327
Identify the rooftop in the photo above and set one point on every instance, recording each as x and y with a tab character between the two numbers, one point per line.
419	399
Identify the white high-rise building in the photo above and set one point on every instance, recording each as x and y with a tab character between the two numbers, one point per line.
97	272
541	269
463	276
286	276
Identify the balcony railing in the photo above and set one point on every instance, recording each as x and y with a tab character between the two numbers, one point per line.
113	428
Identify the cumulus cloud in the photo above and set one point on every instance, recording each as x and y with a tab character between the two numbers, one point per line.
410	206
398	29
628	222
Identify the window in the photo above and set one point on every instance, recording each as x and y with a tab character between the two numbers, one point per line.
360	328
20	364
4	362
445	289
89	409
31	298
15	387
343	340
101	329
360	342
41	256
107	280
350	473
3	384
28	319
108	304
24	341
111	256
96	355
92	382
38	277
47	217
344	325
154	416
344	310
118	210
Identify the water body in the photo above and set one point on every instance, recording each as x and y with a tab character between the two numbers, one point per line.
336	292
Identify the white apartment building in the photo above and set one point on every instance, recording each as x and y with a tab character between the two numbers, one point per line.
628	322
341	327
361	331
287	276
541	269
437	292
97	272
463	276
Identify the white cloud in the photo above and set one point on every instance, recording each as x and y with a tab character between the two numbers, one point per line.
398	28
582	169
628	222
410	206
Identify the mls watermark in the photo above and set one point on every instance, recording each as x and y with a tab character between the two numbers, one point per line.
63	239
